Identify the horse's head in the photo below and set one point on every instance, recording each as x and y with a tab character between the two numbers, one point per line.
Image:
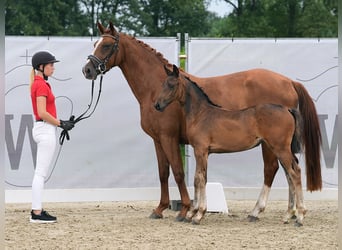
172	89
104	54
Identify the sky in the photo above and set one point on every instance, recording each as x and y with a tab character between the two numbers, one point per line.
220	7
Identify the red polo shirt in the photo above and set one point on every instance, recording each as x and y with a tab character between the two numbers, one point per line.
40	87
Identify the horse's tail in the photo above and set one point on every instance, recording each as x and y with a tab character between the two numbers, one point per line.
311	135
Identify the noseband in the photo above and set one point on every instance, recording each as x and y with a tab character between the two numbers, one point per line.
100	65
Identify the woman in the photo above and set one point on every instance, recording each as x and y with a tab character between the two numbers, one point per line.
44	129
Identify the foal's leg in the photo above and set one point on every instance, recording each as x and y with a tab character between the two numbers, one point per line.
294	173
291	209
200	185
271	167
195	204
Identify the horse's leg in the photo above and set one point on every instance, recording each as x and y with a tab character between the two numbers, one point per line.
294	173
171	148
200	184
163	167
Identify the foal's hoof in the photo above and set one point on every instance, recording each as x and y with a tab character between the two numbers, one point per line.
298	224
180	218
195	222
154	215
252	218
187	220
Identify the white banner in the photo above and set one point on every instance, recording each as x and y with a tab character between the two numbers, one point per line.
310	61
110	150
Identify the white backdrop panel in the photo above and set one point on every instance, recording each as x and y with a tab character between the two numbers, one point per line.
310	61
110	149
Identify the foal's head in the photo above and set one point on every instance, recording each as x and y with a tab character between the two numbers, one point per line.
173	89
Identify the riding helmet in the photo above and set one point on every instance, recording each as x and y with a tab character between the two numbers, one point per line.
42	57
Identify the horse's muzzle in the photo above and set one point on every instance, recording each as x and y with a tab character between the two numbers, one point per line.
89	71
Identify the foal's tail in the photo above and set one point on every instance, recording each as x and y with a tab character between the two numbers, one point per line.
311	135
297	138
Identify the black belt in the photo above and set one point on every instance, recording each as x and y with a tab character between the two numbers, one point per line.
39	120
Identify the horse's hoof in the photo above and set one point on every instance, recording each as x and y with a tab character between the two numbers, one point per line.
298	224
252	218
180	218
154	215
293	217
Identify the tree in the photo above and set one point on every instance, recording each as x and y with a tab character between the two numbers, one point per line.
317	20
283	16
249	18
280	18
39	17
151	17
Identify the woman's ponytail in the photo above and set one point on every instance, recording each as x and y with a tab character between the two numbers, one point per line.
32	75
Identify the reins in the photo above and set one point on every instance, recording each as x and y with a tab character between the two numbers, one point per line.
82	116
65	133
100	67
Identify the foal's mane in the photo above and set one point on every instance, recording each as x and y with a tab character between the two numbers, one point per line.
200	90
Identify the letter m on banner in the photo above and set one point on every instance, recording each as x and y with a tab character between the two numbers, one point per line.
15	151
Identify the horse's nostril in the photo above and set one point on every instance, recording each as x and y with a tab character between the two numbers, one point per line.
157	106
87	70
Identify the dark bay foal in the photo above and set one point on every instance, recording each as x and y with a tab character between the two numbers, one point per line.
211	129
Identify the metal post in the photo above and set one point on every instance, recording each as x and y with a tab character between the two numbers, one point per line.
186	149
2	125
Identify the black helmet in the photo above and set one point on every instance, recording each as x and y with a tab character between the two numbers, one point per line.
42	57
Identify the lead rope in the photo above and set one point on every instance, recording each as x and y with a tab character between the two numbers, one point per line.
65	134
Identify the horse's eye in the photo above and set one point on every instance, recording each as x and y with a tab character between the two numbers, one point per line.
106	47
171	86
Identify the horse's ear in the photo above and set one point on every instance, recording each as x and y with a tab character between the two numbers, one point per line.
175	71
168	72
111	27
100	27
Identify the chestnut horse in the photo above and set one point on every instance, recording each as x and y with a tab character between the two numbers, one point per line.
143	68
211	129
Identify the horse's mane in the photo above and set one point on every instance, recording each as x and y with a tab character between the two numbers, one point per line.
206	97
159	55
152	50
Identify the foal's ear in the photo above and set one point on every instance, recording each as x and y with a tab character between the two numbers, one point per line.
175	71
168	72
100	27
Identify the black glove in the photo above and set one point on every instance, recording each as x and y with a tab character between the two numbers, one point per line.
67	125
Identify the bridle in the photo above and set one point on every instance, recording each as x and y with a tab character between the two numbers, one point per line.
100	65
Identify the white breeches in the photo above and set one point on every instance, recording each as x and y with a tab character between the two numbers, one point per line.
44	135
